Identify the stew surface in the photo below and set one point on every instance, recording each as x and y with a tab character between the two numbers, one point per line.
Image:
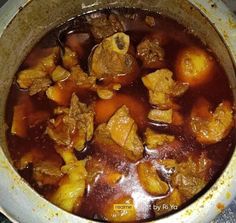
120	115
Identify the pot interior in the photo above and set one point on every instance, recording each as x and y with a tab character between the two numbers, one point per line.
37	18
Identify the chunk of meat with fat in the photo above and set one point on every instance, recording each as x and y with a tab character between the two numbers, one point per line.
104	26
189	176
62	91
211	127
120	134
153	140
151	53
74	126
162	88
37	78
81	78
120	125
98	167
150	21
47	172
111	60
123	131
38	85
150	180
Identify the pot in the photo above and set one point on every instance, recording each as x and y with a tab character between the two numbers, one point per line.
24	22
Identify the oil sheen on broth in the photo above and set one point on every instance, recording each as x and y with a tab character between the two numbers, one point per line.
120	115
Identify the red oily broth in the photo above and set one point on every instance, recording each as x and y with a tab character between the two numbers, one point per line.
39	109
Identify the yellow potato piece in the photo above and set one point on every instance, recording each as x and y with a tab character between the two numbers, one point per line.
150	180
194	66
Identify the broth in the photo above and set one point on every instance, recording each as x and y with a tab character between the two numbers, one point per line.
112	177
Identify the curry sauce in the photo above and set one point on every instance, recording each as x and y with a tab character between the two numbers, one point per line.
120	115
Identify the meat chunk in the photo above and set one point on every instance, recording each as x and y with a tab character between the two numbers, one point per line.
97	167
162	88
37	78
150	180
47	172
120	134
81	78
190	177
151	53
164	116
120	125
103	26
120	210
150	21
153	139
26	77
123	131
40	84
211	127
74	127
111	59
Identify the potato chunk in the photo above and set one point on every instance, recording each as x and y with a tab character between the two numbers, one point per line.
212	127
71	190
120	210
104	94
153	139
194	66
162	88
60	74
170	203
70	58
150	179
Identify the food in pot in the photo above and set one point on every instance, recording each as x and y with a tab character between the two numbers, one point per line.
120	115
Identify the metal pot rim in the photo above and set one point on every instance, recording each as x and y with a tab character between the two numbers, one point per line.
217	197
